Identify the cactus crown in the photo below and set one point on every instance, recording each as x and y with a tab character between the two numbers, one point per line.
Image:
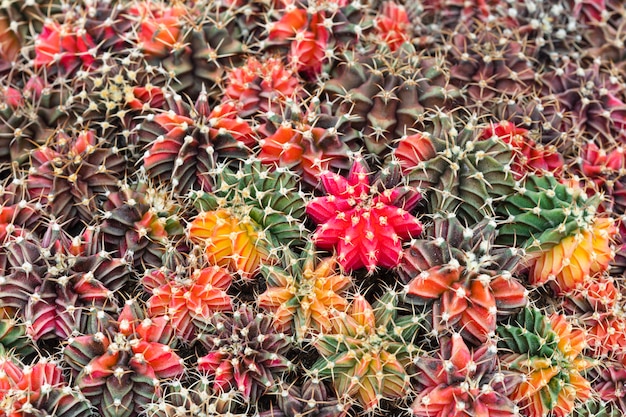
543	212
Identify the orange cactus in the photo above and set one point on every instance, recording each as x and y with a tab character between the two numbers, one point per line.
200	295
549	351
261	87
159	29
230	243
305	294
572	261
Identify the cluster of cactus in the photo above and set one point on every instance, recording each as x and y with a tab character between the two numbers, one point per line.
286	208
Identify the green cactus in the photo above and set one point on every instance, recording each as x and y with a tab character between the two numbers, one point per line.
467	175
253	214
543	212
367	354
549	352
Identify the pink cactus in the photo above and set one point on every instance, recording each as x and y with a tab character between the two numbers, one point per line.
366	227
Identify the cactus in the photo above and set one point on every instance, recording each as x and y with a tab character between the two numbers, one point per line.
245	353
366	226
597	305
62	48
548	350
185	144
261	88
139	224
464	381
490	63
468	280
308	144
251	215
589	97
392	25
30	112
119	372
38	390
387	95
80	277
557	224
303	293
467	175
182	298
609	383
71	174
368	353
306	36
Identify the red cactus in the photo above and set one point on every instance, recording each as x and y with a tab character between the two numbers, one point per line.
472	302
529	155
201	294
61	45
366	228
187	141
261	87
392	25
308	40
39	389
159	27
464	383
126	363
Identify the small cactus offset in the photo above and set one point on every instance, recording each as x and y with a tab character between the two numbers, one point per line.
312	208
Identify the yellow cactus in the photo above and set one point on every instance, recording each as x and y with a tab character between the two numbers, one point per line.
572	261
229	242
305	293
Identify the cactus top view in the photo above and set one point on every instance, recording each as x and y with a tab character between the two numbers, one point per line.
312	208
